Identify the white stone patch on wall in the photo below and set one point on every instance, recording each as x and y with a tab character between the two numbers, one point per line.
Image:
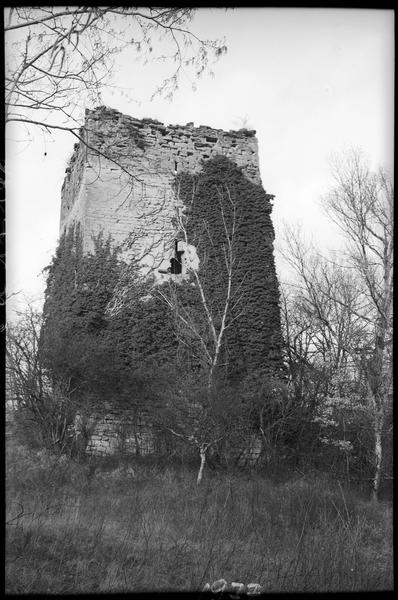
190	258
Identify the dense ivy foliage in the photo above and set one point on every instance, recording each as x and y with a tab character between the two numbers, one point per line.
222	202
105	357
143	331
74	310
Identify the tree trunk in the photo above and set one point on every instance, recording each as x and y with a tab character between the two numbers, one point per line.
379	386
137	442
202	452
378	449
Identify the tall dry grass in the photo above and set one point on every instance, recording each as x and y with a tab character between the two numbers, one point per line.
71	528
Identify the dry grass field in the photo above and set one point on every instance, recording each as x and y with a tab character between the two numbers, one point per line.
123	528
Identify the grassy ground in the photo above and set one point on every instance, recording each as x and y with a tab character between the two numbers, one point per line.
71	530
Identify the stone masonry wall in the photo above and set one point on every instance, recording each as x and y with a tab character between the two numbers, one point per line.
126	434
136	199
120	432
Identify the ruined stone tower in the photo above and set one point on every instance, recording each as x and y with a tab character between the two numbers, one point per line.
122	182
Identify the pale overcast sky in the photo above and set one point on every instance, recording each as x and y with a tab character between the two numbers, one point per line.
311	82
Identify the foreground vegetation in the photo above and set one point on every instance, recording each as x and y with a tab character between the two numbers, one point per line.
112	526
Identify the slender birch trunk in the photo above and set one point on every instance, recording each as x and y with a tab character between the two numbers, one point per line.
202	452
379	388
378	450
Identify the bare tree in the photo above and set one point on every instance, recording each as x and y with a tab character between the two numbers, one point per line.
203	327
299	330
361	204
38	401
346	304
322	330
202	418
58	59
209	327
323	309
194	423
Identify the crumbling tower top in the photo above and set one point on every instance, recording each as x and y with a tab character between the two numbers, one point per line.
121	180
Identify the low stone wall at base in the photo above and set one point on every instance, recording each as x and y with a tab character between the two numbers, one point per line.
128	433
116	432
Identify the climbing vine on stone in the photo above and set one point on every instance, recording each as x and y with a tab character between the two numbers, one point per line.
216	198
105	356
